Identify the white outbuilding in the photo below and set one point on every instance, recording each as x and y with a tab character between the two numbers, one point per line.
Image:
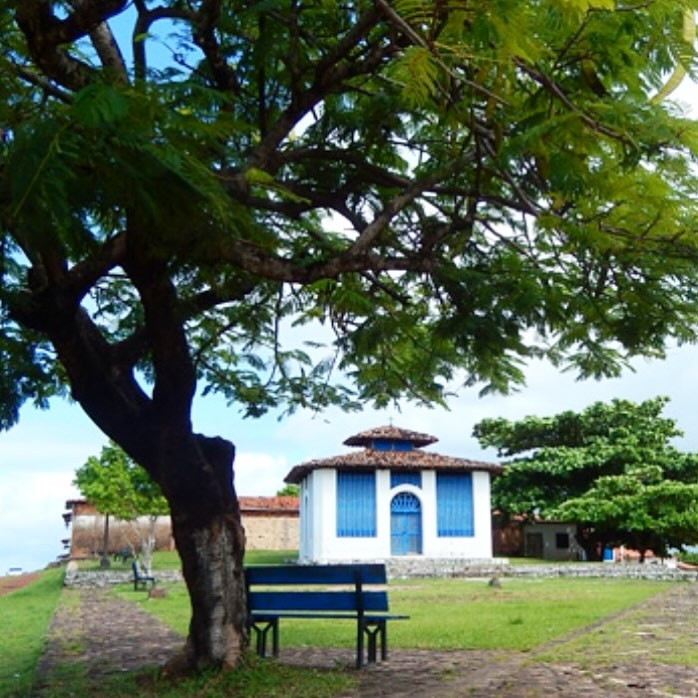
392	498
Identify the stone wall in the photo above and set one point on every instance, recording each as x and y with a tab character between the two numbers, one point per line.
84	579
265	529
406	567
271	532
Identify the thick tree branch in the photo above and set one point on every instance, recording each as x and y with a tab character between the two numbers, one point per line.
204	35
175	377
106	46
47	35
85	274
146	18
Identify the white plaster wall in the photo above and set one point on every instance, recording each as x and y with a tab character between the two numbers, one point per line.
319	541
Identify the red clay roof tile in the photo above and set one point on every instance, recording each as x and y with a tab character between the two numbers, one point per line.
365	438
370	459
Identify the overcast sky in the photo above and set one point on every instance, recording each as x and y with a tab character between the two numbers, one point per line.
39	456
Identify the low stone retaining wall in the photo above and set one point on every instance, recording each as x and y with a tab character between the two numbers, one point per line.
92	579
404	568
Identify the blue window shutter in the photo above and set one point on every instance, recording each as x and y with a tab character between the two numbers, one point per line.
454	505
356	504
405	477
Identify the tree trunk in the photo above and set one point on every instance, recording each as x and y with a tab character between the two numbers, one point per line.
210	540
104	561
146	541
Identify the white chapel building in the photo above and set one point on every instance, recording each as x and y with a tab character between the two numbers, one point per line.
392	498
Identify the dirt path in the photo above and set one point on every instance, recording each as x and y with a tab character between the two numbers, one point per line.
110	636
12	583
105	635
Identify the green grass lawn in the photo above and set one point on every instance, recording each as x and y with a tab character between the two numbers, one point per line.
162	560
456	613
24	618
169	560
520	615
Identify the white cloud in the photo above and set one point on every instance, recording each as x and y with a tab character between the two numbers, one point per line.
32	527
259	473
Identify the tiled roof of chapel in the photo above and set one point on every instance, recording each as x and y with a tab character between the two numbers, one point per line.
372	459
365	438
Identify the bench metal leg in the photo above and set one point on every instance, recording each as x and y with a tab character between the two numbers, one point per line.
261	630
375	633
359	644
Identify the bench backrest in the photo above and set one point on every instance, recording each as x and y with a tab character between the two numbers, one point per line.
353	599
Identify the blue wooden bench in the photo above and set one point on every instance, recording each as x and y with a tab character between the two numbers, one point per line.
141	581
338	593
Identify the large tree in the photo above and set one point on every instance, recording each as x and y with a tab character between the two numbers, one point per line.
447	188
611	468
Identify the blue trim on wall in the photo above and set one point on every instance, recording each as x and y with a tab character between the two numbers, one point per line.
405	477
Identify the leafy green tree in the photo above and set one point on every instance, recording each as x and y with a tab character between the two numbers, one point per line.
119	487
446	189
289	491
611	468
641	509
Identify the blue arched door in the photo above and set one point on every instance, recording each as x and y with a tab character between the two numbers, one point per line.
405	525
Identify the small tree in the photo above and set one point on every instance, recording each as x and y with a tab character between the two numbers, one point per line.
289	491
610	468
117	486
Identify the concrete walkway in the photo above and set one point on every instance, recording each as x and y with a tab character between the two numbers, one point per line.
109	636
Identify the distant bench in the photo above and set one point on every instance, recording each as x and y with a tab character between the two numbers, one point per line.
270	598
123	554
141	581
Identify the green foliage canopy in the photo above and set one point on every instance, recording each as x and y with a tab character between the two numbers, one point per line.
448	188
118	486
611	468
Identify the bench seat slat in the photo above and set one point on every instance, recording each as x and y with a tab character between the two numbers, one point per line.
319	574
261	616
316	601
